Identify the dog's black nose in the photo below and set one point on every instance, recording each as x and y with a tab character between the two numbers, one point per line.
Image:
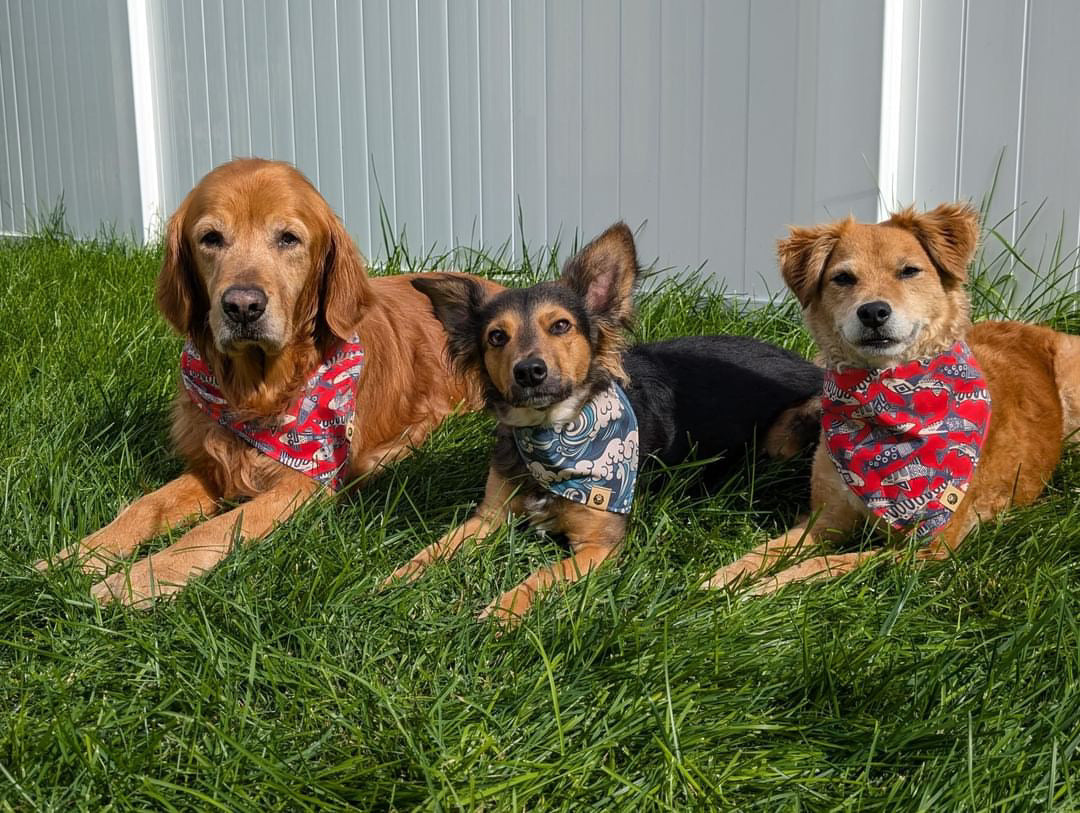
243	304
874	314
530	372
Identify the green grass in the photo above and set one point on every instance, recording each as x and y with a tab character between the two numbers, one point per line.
285	679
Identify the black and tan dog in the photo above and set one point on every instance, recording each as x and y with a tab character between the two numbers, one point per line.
576	411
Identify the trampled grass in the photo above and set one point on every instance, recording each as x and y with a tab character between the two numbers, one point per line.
285	679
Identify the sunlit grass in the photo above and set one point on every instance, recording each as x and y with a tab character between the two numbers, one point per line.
285	679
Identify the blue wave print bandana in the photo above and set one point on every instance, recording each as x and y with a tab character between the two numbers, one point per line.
592	460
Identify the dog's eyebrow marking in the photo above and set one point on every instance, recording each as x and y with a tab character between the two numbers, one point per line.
552	313
843	266
209	222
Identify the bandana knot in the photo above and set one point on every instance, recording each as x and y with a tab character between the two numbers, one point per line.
906	440
313	436
593	460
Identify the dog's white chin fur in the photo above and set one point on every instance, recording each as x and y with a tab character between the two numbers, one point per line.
557	415
859	355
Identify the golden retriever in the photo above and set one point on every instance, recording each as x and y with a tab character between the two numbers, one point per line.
877	297
262	278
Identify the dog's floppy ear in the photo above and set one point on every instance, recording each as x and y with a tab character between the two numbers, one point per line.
948	233
604	274
346	290
178	294
456	301
803	255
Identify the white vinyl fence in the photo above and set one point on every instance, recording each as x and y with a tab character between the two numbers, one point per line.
715	123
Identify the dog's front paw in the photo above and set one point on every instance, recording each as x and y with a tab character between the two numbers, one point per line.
137	587
408	572
509	608
91	561
736	572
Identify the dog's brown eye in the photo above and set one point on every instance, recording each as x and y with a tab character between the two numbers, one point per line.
559	327
844	278
212	239
910	271
287	239
497	338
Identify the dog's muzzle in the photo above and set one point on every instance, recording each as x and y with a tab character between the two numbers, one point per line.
243	305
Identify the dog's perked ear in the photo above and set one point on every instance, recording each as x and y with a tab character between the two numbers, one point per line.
345	288
803	255
948	233
604	274
178	294
456	301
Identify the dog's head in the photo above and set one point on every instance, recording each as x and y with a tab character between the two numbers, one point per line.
255	259
544	350
879	295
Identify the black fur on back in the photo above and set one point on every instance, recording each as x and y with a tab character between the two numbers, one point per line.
700	395
708	394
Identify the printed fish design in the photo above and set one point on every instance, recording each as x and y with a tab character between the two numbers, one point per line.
345	376
834	393
953	423
204	393
307	406
889	454
959	370
878	503
902	477
340	401
966	450
296	438
902	387
296	462
877	406
852	479
849	427
323	453
980	394
889	433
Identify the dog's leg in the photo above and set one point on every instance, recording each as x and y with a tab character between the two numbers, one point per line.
593	535
839	512
489	516
185	497
938	548
819	567
763	557
167	571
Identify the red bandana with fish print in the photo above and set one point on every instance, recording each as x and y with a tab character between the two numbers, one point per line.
907	439
313	435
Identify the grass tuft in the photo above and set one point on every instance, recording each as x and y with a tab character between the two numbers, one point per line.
285	679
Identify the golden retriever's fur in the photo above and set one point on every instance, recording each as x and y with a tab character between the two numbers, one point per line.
260	224
917	263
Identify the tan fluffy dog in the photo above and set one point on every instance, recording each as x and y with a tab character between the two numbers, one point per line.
261	275
916	266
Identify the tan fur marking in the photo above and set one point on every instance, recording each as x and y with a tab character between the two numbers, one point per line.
499	361
567	355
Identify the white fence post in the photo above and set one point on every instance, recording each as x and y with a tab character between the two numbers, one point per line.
146	125
892	55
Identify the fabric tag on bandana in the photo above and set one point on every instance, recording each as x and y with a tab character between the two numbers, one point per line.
313	435
907	439
593	460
